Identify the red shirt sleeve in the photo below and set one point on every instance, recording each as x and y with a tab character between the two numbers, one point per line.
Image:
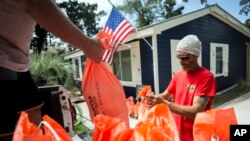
207	86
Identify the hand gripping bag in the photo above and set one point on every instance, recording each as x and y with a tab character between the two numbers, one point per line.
105	39
103	92
214	124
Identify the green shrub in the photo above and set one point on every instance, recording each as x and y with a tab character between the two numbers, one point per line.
50	69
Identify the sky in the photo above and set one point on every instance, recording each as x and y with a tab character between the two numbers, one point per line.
231	6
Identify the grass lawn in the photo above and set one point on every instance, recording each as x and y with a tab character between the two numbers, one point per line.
230	95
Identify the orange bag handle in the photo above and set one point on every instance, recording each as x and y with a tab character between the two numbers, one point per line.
50	129
60	131
145	91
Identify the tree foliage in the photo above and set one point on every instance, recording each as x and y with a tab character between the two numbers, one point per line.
84	16
169	10
201	1
245	10
147	12
40	38
245	7
142	9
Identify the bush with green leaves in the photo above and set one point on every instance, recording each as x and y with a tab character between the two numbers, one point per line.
51	69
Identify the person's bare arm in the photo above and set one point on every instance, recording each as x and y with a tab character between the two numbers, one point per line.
199	103
49	15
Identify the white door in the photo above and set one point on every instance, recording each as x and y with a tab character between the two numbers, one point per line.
175	65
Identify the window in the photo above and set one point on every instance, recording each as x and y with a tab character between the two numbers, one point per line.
122	65
219	59
77	68
127	65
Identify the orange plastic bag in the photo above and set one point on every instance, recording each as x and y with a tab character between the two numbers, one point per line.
110	129
130	103
62	134
27	131
103	92
215	124
137	107
145	91
157	125
143	109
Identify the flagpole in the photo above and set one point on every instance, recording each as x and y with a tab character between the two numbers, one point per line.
154	51
132	25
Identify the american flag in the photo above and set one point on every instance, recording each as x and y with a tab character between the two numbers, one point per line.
119	28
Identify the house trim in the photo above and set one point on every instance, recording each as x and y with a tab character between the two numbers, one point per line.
155	64
73	54
225	59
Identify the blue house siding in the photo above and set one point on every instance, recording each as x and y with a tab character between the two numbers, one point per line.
208	29
164	59
129	91
146	63
146	68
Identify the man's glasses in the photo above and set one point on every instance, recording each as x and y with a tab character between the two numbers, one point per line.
183	58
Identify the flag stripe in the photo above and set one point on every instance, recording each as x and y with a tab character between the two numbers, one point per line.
104	57
122	36
124	27
112	53
119	37
119	28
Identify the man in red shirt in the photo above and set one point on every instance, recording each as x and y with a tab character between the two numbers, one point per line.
193	88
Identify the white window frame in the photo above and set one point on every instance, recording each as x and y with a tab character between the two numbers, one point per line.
135	63
77	67
225	60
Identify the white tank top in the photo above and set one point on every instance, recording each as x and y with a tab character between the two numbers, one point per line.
16	30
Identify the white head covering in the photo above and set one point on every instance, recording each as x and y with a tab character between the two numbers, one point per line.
190	44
